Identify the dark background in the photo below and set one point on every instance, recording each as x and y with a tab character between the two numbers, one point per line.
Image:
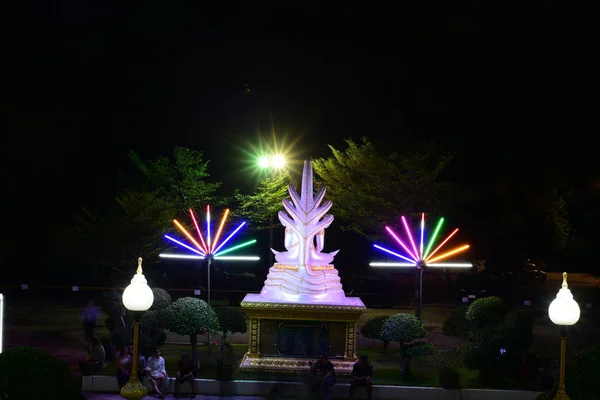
513	91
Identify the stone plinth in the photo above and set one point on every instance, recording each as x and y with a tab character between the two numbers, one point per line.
285	334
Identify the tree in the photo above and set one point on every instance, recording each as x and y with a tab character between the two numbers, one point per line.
113	241
231	320
180	181
370	188
495	335
405	329
189	316
372	329
264	204
52	376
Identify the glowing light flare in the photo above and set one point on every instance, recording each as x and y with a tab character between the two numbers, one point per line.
204	248
264	162
223	219
238	258
391	232
449	253
1	320
422	233
394	254
278	161
186	233
229	237
184	245
428	259
412	241
239	246
450	265
391	264
208	228
184	256
433	237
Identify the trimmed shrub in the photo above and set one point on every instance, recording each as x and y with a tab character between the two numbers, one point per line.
488	310
372	329
457	324
162	299
51	376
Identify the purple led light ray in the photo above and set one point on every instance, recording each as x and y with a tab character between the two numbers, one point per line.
394	254
228	237
391	232
412	241
184	245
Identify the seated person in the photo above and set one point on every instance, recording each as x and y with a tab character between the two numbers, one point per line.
185	373
94	360
361	376
324	372
123	362
157	374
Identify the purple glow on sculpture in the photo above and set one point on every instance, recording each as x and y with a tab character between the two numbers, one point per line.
412	241
394	254
391	232
184	245
228	237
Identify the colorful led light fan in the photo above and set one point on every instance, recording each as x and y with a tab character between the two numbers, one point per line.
206	246
422	256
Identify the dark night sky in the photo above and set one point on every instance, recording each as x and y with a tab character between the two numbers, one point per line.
83	83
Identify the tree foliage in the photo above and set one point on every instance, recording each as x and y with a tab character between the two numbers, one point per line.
261	207
406	329
52	376
370	187
180	181
189	316
192	316
162	299
457	324
113	241
231	320
493	328
372	328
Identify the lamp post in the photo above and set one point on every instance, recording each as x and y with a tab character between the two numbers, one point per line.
137	297
275	162
564	312
1	319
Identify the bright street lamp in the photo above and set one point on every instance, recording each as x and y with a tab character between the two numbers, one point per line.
563	311
136	297
264	162
278	161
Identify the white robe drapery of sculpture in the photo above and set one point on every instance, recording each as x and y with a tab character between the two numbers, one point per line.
304	272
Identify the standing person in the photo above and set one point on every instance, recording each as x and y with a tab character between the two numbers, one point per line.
157	374
123	361
89	315
325	373
185	373
362	371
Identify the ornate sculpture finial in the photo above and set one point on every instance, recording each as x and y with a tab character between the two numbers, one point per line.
139	268
564	284
305	222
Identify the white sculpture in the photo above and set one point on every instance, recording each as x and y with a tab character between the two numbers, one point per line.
304	271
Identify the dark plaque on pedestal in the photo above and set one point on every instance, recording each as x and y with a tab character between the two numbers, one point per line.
302	339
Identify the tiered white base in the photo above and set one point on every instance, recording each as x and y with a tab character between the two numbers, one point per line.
304	284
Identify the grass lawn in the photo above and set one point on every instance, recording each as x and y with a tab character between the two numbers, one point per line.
57	329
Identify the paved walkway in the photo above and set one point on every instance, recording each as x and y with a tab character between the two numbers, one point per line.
112	396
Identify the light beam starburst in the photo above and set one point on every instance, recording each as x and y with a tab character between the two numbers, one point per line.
205	246
421	256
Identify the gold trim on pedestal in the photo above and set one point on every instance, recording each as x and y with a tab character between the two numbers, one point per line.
290	365
350	342
254	342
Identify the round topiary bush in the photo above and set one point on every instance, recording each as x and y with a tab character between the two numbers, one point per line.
162	299
51	378
457	324
485	311
403	328
372	329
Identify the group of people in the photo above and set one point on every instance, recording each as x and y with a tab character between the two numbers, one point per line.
323	377
153	369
